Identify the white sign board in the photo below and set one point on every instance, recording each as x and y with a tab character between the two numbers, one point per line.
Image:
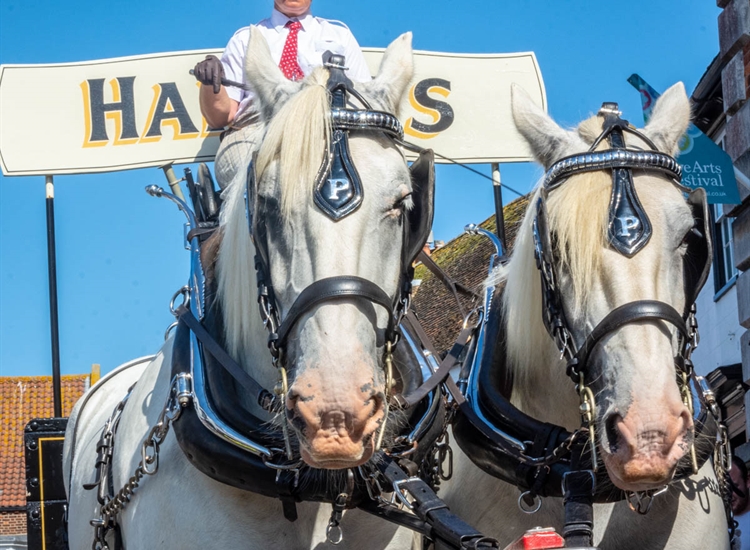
135	112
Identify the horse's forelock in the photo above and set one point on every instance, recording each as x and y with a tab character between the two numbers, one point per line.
298	137
590	129
577	216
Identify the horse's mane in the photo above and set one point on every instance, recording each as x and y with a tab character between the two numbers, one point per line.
577	216
297	136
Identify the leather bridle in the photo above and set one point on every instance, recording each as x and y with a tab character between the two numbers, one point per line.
338	168
623	203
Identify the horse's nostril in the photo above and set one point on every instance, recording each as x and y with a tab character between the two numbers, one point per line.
613	434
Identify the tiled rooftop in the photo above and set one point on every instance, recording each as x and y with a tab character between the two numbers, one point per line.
21	399
465	259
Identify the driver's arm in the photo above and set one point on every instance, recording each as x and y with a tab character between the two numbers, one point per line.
217	108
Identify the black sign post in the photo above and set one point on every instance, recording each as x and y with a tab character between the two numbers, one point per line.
52	275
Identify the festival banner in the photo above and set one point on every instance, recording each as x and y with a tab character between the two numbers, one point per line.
704	164
135	112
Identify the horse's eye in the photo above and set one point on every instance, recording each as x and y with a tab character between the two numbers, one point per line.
693	234
404	203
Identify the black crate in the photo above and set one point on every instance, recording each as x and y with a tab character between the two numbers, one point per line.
46	504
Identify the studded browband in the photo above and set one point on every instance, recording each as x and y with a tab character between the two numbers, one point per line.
351	119
607	160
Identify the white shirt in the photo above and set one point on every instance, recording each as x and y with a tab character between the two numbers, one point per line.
316	36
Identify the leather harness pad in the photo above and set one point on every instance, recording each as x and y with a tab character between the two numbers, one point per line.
494	402
233	466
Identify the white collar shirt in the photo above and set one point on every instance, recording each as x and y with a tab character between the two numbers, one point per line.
316	36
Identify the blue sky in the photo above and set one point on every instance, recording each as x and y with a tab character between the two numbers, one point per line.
120	255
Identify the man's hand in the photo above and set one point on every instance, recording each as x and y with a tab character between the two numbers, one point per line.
210	72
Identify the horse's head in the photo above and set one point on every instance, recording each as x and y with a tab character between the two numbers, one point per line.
643	424
333	348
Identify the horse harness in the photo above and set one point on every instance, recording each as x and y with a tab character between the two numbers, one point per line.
224	440
543	459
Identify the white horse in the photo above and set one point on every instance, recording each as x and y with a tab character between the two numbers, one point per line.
643	426
336	399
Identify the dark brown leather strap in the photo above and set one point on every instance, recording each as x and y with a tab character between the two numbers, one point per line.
453	286
263	397
443	372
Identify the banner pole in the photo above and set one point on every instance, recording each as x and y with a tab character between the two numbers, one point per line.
174	183
52	276
498	193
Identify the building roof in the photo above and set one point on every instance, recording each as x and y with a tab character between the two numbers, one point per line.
21	399
708	99
466	260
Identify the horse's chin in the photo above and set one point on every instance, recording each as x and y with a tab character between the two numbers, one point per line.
350	458
639	474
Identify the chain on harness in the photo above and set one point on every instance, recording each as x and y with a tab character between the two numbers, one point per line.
111	504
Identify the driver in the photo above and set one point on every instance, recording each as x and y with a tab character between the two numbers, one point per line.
297	41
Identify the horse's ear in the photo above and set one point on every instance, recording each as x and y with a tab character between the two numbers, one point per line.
394	75
548	141
271	87
669	119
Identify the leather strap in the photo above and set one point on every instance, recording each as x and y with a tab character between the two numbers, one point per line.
641	310
453	286
201	231
442	373
334	288
579	488
263	397
415	327
446	529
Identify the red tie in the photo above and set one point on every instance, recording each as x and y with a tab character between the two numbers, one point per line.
288	63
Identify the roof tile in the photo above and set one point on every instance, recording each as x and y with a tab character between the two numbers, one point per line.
466	260
21	399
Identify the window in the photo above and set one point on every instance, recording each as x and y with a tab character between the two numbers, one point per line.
724	270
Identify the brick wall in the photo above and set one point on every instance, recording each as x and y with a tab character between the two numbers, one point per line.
12	523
